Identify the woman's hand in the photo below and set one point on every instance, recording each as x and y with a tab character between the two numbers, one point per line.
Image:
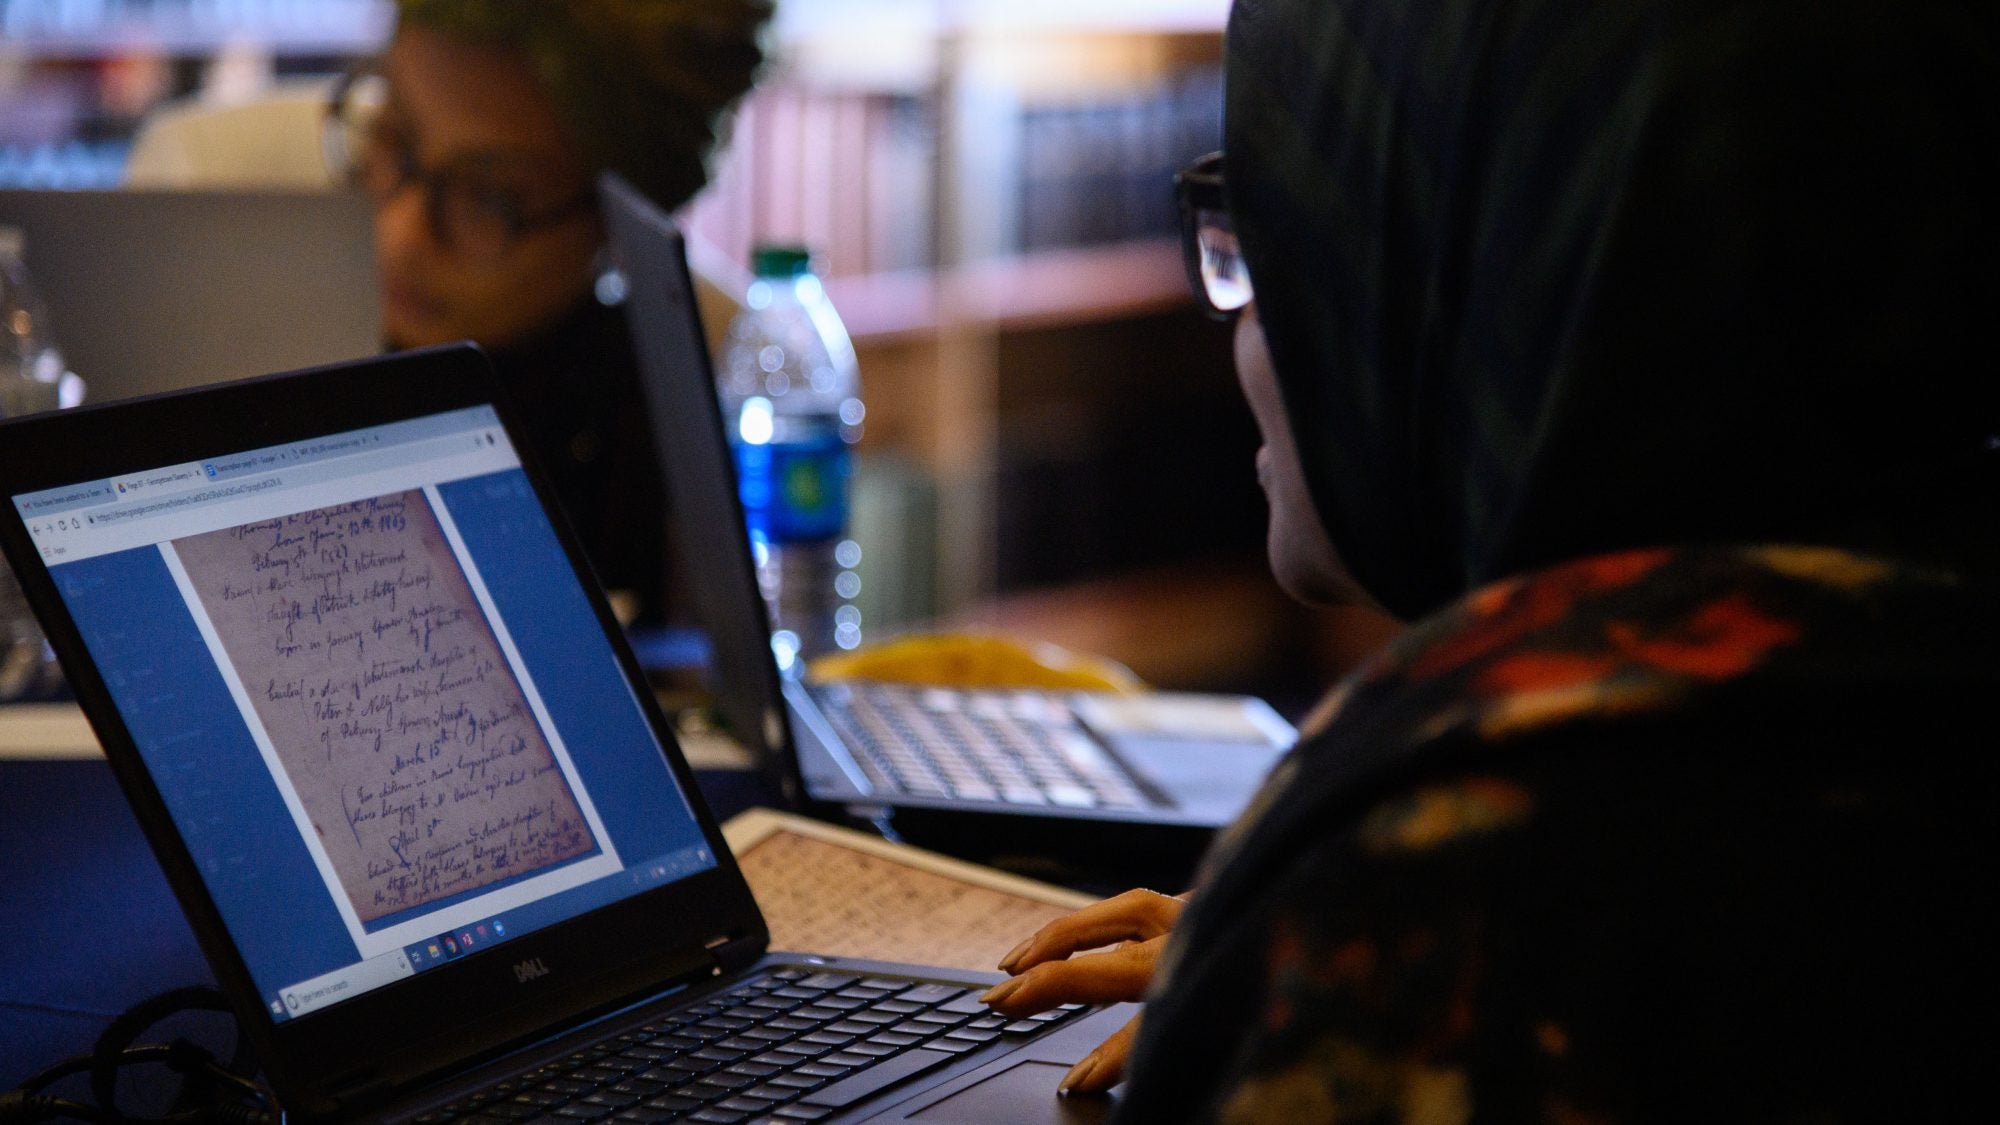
1136	924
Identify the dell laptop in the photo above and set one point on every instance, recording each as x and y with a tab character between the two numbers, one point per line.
407	781
1164	759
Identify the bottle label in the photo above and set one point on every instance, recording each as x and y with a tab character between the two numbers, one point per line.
795	491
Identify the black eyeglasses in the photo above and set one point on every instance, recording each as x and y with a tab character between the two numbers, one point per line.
475	207
1215	268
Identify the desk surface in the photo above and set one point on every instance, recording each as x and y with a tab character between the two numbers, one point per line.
90	925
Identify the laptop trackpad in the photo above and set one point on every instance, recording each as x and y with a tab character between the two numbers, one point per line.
1023	1094
1201	777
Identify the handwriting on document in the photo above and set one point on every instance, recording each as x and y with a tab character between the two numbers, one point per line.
822	896
387	698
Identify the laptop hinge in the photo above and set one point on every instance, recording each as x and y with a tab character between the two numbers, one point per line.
733	954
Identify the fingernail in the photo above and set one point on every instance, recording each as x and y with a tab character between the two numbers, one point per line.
1000	991
1013	955
1077	1075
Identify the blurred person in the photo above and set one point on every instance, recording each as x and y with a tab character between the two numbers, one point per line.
1635	351
478	135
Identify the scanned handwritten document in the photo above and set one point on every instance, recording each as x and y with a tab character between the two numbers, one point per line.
399	723
829	890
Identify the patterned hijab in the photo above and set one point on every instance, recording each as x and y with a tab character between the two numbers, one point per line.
1547	278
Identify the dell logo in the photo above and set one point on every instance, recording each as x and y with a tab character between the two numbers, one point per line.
531	969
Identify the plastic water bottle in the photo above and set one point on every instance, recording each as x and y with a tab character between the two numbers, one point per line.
791	399
32	378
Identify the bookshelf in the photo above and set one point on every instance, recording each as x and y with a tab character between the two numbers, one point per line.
981	178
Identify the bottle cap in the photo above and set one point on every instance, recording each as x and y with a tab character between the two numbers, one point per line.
781	261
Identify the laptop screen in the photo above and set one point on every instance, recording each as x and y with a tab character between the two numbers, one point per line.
376	700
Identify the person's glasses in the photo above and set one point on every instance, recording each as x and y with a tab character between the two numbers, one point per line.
1220	280
476	206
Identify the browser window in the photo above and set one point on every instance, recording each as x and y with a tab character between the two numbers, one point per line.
375	643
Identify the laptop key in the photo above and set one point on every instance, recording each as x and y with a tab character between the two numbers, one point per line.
874	1050
578	1111
969	1004
792	1084
932	993
847	1059
1071	796
751	1069
640	1115
877	1078
712	1116
955	1046
723	1080
513	1111
672	1103
1022	1027
745	1103
822	1070
801	1113
827	981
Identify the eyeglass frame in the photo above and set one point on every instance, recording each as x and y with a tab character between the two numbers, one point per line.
1198	191
345	166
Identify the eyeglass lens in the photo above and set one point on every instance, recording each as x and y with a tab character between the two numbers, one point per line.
1223	274
473	210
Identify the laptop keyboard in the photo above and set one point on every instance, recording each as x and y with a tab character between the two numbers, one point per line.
1021	748
793	1046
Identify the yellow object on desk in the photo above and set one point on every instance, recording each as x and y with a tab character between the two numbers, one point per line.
972	660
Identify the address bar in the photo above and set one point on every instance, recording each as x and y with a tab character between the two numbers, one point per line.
188	499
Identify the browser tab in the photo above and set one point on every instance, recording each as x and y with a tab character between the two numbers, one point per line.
172	477
256	461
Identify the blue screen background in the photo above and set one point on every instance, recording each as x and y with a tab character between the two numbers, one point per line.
225	803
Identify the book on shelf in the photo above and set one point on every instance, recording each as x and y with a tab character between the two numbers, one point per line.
854	175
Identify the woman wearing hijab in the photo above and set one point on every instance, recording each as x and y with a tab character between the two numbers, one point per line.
1635	351
494	119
